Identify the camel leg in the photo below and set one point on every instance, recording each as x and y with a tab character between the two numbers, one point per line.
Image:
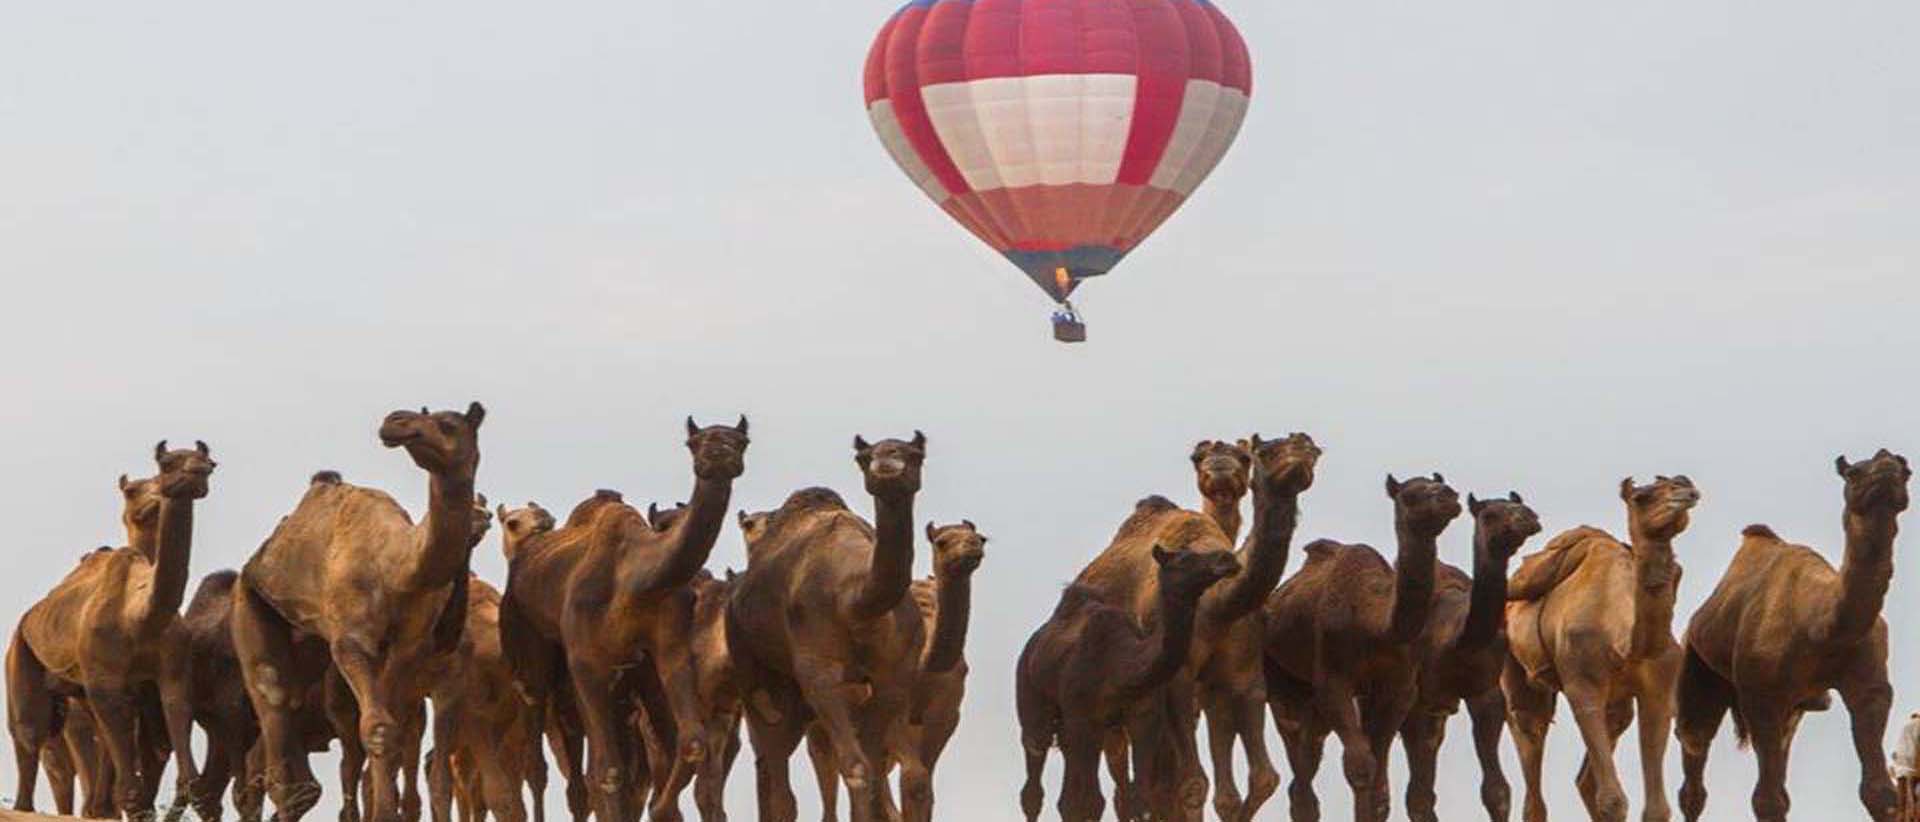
1488	711
1033	793
1654	702
1304	738
1767	731
1529	715
1422	735
773	745
820	753
1868	701
1589	780
176	705
57	760
499	785
384	726
439	783
115	717
1126	793
250	790
672	690
264	643
564	741
1184	715
535	766
607	737
1080	799
150	743
1333	703
1703	698
1385	712
1263	779
29	717
415	725
1221	732
343	713
823	683
212	782
709	784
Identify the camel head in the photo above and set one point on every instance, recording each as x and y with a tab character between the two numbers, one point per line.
1507	522
719	451
482	521
891	467
753	526
1876	484
183	472
1425	504
957	549
1221	468
662	519
140	503
1660	509
1284	465
438	441
518	524
1188	574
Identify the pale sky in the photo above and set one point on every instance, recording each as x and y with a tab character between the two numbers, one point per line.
1532	246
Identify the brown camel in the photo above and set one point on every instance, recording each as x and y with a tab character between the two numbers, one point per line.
1461	656
1090	672
1221	666
348	570
1782	629
108	631
820	627
481	727
720	706
604	603
945	601
1593	618
1342	647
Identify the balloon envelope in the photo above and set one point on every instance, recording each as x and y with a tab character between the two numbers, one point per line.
1060	132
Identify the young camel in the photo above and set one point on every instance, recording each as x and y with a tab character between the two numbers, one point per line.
1090	672
1591	617
1341	647
1782	629
820	626
1461	656
348	570
108	631
482	730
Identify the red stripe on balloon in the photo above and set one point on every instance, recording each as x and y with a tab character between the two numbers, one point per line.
1203	40
876	72
941	45
903	87
1162	66
1050	34
1236	63
993	39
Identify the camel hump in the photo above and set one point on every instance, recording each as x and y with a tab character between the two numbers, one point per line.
1321	549
325	477
1076	598
1154	504
214	585
814	499
1759	531
584	512
1574	536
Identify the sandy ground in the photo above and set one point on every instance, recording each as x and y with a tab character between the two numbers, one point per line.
10	816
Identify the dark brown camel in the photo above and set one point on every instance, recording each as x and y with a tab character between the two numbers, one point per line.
622	613
1782	629
820	627
1341	647
349	570
108	631
1461	656
1090	672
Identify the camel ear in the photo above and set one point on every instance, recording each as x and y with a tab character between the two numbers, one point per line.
653	512
1514	496
1840	464
160	450
970	525
1199	448
1474	504
1393	486
741	426
740	516
919	439
501	512
692	429
480	500
1626	489
201	446
930	530
476	413
124	483
1161	555
1439	479
860	443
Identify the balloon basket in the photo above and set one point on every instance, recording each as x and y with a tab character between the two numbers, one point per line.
1068	328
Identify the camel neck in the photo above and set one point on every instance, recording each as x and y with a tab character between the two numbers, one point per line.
691	540
953	604
1656	578
173	550
891	570
1263	556
1488	601
1865	573
1223	512
1413	575
447	547
1166	651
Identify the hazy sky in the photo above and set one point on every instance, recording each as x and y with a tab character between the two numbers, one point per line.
1534	246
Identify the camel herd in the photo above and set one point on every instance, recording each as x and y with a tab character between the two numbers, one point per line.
613	653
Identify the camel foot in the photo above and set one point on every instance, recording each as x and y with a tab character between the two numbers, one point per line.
299	799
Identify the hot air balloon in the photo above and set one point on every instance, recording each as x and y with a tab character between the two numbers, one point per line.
1059	132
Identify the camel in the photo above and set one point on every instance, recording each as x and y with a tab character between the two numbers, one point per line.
1342	647
1461	656
1221	663
108	631
1593	618
1090	671
720	706
481	728
820	626
605	602
1782	629
347	569
945	600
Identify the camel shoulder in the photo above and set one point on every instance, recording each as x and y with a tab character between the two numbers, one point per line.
1564	555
